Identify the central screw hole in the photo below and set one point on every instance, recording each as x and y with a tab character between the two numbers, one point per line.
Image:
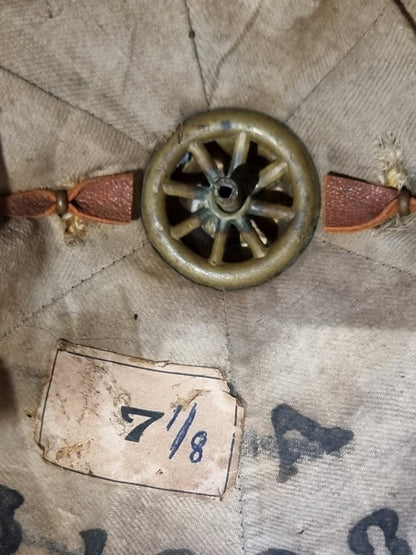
225	191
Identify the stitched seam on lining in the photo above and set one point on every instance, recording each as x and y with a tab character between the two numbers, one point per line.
196	52
368	258
54	300
239	484
73	106
336	65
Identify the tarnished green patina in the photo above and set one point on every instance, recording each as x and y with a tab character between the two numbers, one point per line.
231	199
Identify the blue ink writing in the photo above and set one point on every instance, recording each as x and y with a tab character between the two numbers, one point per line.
137	432
11	531
94	541
316	439
272	551
175	414
177	442
388	521
197	443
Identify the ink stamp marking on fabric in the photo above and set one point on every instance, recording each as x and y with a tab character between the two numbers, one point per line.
154	424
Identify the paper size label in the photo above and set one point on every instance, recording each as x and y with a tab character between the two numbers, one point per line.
148	423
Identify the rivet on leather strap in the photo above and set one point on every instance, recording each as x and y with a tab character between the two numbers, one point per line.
404	202
61	202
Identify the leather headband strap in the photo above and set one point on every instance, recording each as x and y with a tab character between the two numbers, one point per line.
106	199
354	205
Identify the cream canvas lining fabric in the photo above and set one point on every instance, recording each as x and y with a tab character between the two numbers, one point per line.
91	88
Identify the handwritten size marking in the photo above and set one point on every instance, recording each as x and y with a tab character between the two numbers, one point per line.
197	442
167	426
177	442
136	433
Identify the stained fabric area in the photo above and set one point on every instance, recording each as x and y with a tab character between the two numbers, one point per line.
322	357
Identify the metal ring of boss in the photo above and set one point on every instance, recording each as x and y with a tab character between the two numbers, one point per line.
231	199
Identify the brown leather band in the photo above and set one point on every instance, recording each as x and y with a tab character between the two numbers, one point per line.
354	205
28	204
107	199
